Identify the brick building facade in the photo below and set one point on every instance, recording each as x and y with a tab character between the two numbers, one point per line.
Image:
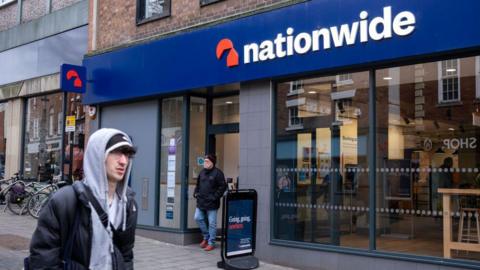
36	37
117	24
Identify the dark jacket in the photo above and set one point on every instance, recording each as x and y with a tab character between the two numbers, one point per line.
55	224
210	188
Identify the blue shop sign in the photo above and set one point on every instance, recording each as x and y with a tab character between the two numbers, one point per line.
73	78
306	37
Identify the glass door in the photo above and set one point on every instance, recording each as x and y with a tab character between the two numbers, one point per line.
213	129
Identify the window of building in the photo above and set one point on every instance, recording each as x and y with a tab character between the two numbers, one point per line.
296	88
448	81
59	123
422	151
321	190
3	138
423	148
35	129
293	119
152	9
344	79
6	2
51	122
208	2
42	150
171	162
226	110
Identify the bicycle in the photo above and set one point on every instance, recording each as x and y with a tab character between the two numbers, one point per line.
40	198
16	193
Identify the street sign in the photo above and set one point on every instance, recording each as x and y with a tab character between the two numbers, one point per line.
70	123
73	78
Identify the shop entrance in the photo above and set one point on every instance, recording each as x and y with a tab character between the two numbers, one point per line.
226	147
214	128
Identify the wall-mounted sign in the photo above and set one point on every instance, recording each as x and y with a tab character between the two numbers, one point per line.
70	123
73	78
169	211
306	37
200	161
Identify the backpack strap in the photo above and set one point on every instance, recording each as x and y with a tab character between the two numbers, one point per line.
101	213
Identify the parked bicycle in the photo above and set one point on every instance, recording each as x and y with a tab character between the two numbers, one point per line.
16	191
40	198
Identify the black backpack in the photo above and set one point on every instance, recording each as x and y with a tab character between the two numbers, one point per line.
17	193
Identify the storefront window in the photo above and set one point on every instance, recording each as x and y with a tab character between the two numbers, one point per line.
3	139
428	125
198	122
321	191
43	145
171	162
226	110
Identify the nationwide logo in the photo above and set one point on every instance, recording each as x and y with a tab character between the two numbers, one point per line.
73	75
227	45
289	43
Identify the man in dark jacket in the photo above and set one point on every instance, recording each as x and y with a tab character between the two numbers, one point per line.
210	188
69	229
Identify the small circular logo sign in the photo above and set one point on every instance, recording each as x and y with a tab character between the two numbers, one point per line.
427	145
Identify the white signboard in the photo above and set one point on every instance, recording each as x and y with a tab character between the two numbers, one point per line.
170	184
171	163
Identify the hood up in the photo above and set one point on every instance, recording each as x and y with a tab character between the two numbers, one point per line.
96	174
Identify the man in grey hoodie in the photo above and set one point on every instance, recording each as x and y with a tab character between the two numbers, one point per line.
71	233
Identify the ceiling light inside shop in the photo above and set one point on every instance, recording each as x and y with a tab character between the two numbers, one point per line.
312	92
228	102
451	69
451	129
387	78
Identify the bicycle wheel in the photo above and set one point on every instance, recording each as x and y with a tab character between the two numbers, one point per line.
36	202
18	204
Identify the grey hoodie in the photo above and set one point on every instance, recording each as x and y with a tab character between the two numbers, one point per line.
96	179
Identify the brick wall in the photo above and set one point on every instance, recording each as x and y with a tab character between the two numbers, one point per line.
116	24
31	10
8	16
59	4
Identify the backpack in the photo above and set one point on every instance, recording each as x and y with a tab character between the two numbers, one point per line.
17	193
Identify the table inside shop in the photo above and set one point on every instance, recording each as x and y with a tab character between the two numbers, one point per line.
448	244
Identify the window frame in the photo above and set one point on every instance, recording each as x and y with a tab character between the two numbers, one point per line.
298	123
477	76
296	88
340	81
4	3
51	122
59	123
441	78
140	12
204	3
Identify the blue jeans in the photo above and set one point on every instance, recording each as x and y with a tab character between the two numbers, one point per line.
209	231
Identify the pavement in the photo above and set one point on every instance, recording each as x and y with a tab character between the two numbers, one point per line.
16	231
